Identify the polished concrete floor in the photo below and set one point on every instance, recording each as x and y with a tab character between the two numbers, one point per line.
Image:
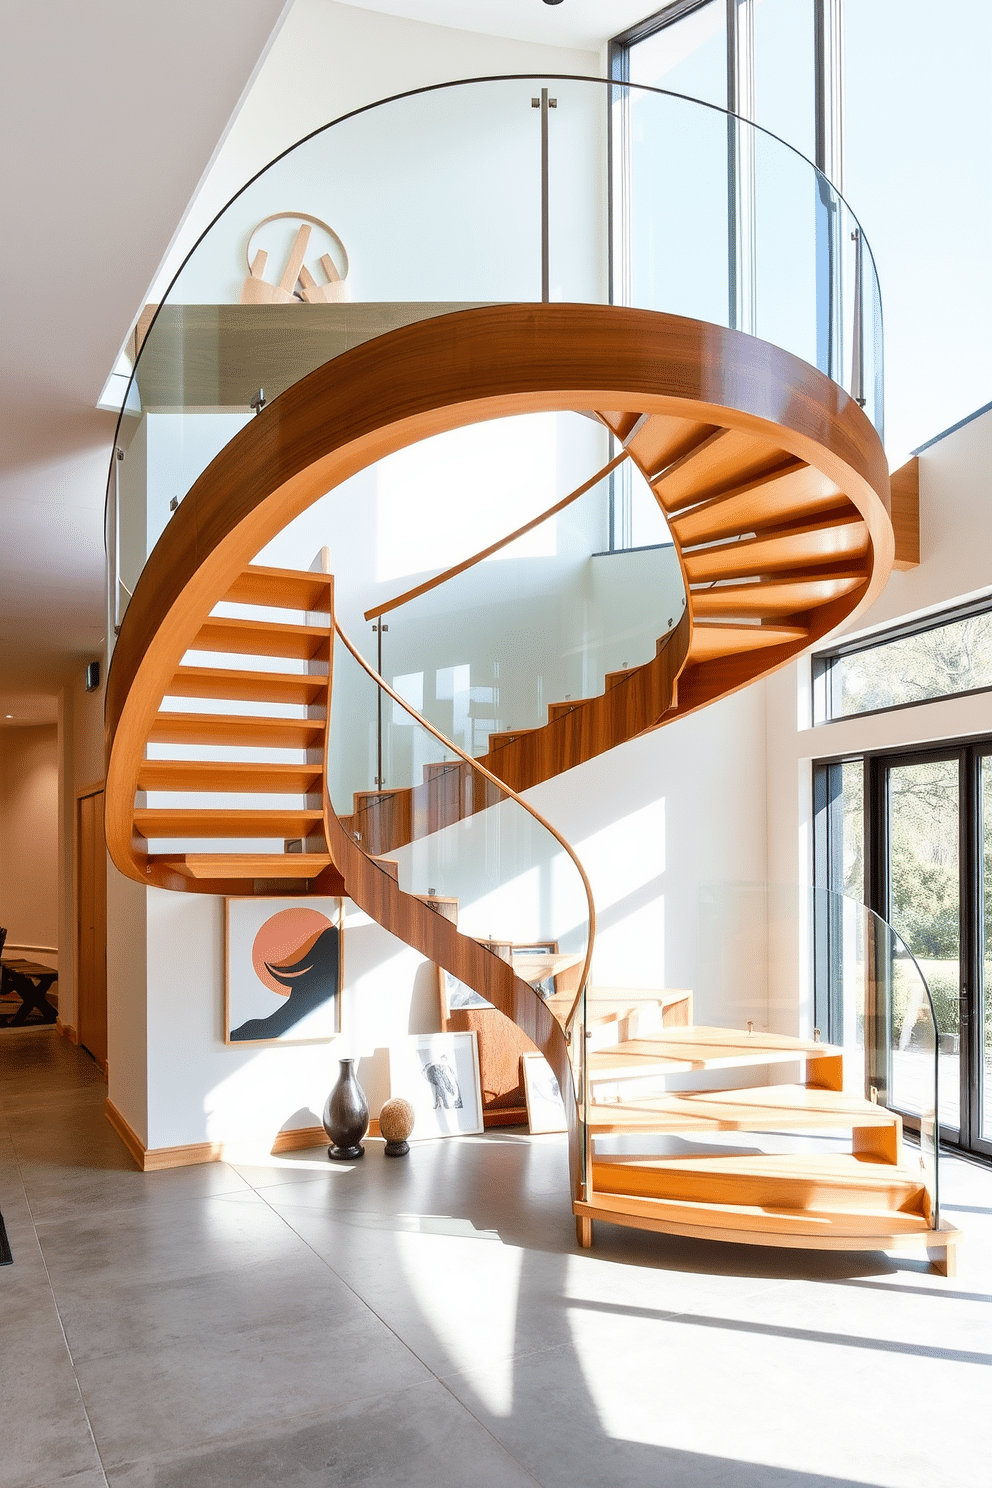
431	1322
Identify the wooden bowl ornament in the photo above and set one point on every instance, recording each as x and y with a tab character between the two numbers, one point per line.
396	1124
257	290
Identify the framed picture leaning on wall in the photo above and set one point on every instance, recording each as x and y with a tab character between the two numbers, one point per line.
283	970
545	1107
438	1073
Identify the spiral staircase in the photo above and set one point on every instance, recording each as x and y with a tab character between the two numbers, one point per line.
775	488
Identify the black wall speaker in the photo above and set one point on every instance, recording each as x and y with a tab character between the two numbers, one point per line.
92	676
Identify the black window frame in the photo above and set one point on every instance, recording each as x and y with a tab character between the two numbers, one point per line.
969	751
823	663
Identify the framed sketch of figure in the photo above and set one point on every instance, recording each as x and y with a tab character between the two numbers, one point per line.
284	969
438	1073
545	1107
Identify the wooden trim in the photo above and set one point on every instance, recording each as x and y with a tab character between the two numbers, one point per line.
125	1131
66	1031
18	945
90	790
451	573
636	1215
298	1139
905	485
155	1159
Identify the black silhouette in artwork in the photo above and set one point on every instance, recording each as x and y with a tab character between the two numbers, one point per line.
447	1095
312	980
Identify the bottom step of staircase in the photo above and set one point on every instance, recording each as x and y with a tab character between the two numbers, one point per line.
831	1182
750	1225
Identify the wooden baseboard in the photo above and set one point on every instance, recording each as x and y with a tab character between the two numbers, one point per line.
67	1031
128	1136
302	1137
298	1139
154	1159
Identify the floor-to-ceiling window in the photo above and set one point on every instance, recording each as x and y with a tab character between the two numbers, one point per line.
918	160
911	833
890	99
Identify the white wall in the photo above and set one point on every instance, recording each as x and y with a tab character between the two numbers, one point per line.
80	731
955	542
29	819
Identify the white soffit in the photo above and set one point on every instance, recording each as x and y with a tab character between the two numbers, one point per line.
574	23
111	113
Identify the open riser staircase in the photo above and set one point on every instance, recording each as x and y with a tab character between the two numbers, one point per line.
219	725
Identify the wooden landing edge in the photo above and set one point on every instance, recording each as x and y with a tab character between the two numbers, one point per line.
155	1159
940	1245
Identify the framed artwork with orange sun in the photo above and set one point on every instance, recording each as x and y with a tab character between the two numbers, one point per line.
284	970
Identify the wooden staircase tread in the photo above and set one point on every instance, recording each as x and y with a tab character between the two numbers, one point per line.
813	1224
659	440
605	1005
723	462
756	1108
714	638
840	1167
799	545
677	1050
244	777
262	638
792	493
771	597
704	1038
236	729
249	865
768	1181
192	821
242	685
713	1035
282	588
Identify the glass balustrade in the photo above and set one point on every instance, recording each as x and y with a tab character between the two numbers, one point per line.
763	949
502	190
425	814
550	617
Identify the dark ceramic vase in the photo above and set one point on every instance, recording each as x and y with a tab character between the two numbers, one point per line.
346	1115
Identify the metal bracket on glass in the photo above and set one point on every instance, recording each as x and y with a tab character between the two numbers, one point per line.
379	629
257	401
858	332
544	103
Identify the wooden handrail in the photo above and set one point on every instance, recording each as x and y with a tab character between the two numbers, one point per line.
451	573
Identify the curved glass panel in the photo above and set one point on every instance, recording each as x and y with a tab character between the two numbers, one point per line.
450	830
449	833
473	193
546	619
759	944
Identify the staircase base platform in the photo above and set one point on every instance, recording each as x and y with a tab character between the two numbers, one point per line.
796	1229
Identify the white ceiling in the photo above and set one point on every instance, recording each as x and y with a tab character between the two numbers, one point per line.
110	116
111	113
573	23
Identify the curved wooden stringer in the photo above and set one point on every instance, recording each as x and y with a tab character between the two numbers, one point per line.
776	491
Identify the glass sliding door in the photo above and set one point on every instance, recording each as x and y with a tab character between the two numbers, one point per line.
921	871
982	1097
911	834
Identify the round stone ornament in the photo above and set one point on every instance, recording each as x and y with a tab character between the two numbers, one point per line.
396	1124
